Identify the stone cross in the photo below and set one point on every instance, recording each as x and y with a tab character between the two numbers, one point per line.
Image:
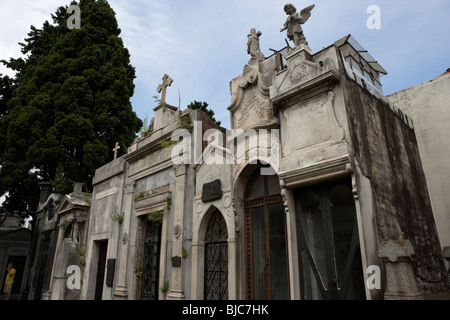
117	147
167	81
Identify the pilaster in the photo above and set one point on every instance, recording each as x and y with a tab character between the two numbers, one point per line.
176	276
121	290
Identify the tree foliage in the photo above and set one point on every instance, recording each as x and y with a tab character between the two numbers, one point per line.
67	106
197	105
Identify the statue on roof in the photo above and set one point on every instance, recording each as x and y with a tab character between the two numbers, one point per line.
253	46
293	23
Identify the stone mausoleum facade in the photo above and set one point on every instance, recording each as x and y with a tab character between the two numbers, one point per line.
316	192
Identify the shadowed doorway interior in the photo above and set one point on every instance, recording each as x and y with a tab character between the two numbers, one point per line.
267	274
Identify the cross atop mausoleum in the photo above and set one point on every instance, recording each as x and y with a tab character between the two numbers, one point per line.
167	81
115	149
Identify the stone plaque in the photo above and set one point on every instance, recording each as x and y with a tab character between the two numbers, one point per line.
212	191
176	262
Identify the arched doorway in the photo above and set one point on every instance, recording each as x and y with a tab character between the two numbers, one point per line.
267	274
216	258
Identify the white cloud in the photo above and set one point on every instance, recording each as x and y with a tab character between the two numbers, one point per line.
201	44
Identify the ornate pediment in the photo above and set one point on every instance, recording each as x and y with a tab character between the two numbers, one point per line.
251	106
74	205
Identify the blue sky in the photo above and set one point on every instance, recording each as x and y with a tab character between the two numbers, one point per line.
201	44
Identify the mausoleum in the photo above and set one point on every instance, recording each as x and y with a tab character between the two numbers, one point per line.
317	191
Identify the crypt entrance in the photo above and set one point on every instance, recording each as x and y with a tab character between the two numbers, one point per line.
151	251
328	242
267	271
216	258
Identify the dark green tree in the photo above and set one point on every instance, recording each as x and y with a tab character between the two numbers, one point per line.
197	105
70	104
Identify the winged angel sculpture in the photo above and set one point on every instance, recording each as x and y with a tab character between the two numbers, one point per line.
294	22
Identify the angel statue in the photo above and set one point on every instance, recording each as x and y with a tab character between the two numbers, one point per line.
253	45
294	22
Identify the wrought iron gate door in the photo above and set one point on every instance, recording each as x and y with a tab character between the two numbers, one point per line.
216	259
150	275
329	251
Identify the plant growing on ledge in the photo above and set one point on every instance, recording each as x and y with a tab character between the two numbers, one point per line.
155	216
168	202
158	102
143	195
138	272
165	287
146	128
81	252
118	217
166	143
184	253
65	224
139	196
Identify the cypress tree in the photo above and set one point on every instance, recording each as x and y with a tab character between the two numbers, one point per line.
67	106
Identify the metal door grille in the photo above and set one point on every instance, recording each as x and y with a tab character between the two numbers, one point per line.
150	275
216	259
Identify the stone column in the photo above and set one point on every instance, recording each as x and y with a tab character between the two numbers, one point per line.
121	290
291	234
176	275
401	283
76	231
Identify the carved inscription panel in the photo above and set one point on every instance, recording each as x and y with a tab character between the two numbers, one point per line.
150	160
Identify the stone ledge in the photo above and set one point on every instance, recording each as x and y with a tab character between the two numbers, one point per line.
109	170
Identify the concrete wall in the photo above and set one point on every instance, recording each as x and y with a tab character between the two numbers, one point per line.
428	104
107	201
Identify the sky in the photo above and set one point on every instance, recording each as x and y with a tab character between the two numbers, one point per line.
202	44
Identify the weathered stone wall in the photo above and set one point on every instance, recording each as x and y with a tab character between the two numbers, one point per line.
428	105
385	148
